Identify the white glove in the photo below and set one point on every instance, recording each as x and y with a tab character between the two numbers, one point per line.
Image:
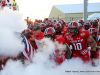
89	48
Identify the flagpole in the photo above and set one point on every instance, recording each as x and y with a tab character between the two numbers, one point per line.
85	4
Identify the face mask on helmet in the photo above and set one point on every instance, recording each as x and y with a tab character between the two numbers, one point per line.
49	33
95	23
28	35
47	26
42	29
73	31
94	36
31	28
86	27
49	36
58	31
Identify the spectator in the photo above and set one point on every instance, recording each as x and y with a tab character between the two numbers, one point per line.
8	4
3	2
14	5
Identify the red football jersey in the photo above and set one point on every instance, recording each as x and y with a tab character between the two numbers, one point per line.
96	27
39	37
78	42
59	56
59	39
79	45
82	29
99	30
64	31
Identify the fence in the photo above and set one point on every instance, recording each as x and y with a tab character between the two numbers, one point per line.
67	19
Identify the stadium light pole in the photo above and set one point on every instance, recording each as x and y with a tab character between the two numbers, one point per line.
85	4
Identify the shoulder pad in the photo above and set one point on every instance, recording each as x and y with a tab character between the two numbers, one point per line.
62	32
67	34
58	37
65	29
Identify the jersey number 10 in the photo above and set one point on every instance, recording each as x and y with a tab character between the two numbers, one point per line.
77	46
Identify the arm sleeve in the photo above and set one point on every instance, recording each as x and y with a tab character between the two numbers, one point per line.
66	40
87	33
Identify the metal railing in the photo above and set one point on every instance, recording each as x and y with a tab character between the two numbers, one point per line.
67	19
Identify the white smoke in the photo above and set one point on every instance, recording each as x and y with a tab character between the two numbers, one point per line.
11	22
69	67
45	51
42	65
15	66
12	19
